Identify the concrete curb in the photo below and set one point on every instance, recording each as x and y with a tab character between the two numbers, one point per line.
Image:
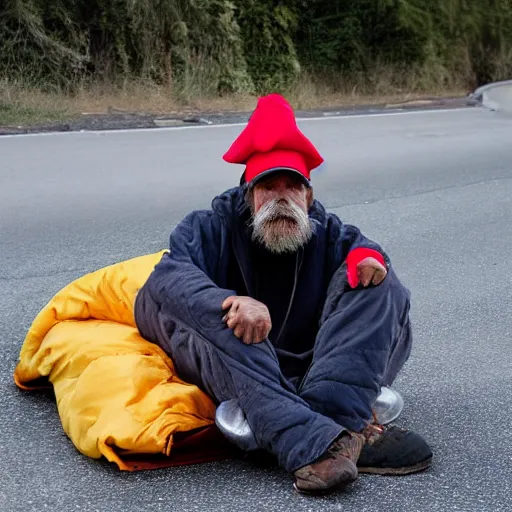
116	119
496	96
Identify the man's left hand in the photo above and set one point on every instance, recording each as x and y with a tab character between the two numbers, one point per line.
371	271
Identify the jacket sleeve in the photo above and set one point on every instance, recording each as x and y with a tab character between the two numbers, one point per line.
346	239
181	290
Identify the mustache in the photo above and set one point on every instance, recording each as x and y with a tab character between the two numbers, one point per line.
281	208
282	226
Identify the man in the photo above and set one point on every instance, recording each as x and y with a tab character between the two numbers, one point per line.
269	300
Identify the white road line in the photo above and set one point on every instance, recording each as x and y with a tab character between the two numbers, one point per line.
228	125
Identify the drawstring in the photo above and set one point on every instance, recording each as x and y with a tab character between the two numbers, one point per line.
295	280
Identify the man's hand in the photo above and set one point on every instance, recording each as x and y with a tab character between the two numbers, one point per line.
365	266
249	319
369	271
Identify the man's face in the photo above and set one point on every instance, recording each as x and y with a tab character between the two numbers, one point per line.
279	206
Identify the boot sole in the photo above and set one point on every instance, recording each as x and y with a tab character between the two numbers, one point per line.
322	492
327	490
421	466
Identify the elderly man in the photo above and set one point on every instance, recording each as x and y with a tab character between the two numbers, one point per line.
269	300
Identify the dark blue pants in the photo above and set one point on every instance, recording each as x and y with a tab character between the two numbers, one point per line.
363	341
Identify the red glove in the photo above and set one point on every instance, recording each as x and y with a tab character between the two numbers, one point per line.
365	266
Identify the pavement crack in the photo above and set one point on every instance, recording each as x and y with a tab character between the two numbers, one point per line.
421	193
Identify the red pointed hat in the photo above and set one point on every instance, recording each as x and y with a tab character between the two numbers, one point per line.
272	141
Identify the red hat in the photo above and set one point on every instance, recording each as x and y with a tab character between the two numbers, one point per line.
272	141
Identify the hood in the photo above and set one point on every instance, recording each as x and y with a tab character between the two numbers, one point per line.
231	203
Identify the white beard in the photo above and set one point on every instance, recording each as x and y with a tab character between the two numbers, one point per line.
282	226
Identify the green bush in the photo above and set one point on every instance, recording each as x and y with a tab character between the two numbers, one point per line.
161	40
212	47
351	36
268	34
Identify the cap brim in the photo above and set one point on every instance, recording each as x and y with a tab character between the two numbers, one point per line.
266	173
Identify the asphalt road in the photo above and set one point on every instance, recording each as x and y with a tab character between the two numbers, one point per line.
434	188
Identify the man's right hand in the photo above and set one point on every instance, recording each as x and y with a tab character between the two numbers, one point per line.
249	318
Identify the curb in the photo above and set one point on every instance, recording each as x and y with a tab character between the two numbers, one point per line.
118	120
495	96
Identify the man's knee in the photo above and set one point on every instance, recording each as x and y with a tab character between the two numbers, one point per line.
198	362
196	357
391	292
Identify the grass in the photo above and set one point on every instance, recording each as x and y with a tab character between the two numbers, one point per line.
21	104
16	114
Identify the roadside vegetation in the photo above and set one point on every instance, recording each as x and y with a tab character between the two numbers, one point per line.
66	57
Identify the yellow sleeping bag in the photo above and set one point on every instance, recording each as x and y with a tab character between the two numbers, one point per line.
117	394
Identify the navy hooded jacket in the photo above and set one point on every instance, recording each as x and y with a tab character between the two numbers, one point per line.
212	257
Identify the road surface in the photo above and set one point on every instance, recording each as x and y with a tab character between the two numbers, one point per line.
434	188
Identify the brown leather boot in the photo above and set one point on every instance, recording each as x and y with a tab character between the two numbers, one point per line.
335	468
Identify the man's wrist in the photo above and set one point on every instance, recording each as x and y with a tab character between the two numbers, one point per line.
357	255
